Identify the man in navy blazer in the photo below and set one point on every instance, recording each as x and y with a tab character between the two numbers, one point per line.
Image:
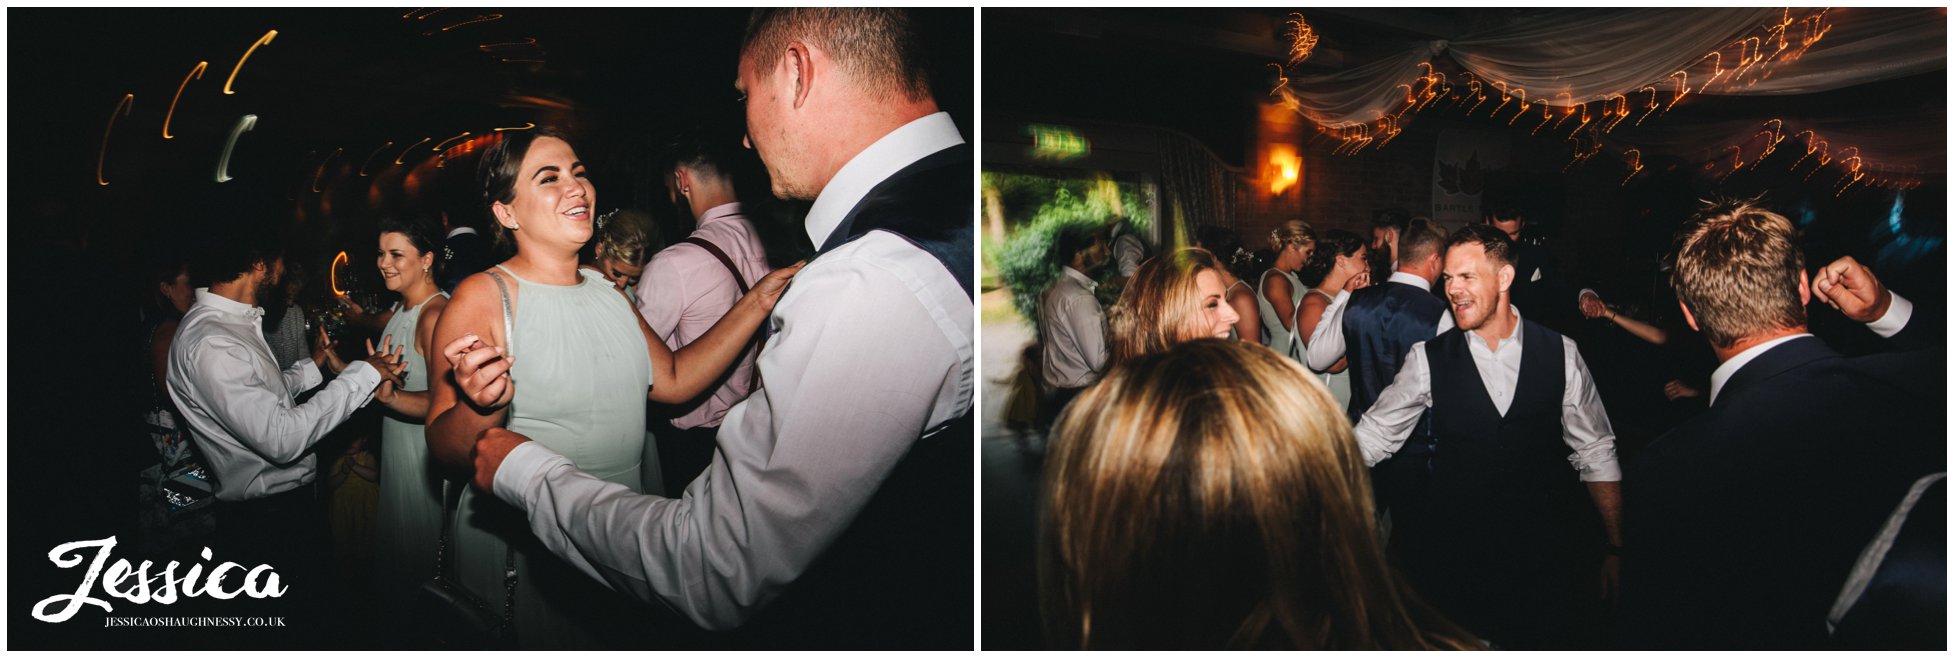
1742	524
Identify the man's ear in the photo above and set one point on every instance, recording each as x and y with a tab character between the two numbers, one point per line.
800	71
1506	274
1804	288
1688	317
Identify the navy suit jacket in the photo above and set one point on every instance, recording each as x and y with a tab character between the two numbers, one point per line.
1741	525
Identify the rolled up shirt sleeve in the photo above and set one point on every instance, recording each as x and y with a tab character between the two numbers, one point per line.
1585	422
1385	426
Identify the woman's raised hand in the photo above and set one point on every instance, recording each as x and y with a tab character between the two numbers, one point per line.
769	288
481	370
387	360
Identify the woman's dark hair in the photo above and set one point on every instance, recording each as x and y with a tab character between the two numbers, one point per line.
1337	242
501	165
419	232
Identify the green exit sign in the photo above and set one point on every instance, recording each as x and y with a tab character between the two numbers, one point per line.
1057	143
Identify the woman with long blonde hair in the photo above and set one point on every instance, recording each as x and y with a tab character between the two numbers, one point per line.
1173	298
1213	496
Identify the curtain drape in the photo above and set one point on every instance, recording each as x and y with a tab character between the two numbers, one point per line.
1575	56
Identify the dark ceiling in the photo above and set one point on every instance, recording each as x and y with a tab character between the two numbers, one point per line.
349	81
1204	71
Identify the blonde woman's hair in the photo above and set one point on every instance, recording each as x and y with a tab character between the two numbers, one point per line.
1737	268
1161	305
1210	496
1293	232
626	236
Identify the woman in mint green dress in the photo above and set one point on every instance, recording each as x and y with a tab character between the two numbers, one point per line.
408	524
579	367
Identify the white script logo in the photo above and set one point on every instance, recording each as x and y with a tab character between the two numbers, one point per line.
68	555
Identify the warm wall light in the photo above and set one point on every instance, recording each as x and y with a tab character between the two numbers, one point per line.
1285	168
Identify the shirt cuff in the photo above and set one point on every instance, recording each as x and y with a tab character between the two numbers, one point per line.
1604	470
362	375
1895	319
521	469
309	375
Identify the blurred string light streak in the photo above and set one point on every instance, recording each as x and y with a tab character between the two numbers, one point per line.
333	276
1302	39
273	34
123	107
1740	63
196	72
508	44
443	146
410	149
244	124
322	167
1857	168
526	126
482	18
421	17
369	159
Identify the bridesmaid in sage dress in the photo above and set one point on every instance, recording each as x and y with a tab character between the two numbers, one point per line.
1277	297
408	526
584	364
1338	264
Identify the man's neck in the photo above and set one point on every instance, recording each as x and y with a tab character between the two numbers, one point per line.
1425	273
1499	327
707	197
862	126
243	290
1727	353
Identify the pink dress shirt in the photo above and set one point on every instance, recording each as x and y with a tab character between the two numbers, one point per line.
685	290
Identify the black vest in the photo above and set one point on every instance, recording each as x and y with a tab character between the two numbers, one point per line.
1505	475
1379	327
929	203
900	576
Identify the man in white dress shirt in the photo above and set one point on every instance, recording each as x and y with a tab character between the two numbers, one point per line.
871	355
1503	544
690	285
1071	326
239	402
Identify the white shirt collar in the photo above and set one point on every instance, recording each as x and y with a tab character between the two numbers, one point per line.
459	230
1411	279
227	305
1473	339
1080	277
898	149
1724	372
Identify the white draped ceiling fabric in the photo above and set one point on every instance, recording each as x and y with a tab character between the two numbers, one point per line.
1572	57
